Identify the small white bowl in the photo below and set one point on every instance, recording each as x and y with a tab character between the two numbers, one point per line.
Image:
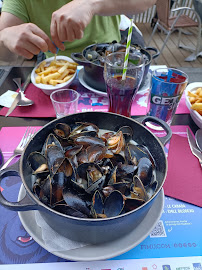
197	118
48	89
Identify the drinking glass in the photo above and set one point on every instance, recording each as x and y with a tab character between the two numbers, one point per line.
65	102
167	87
121	92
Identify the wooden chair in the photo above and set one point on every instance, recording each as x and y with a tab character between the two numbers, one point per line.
168	23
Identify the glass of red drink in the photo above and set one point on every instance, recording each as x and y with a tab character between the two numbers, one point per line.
121	92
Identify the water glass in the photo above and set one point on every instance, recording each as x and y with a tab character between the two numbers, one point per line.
121	92
65	102
167	87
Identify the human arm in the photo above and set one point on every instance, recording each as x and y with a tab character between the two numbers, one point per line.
25	39
68	22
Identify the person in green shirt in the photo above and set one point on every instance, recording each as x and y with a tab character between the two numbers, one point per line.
28	27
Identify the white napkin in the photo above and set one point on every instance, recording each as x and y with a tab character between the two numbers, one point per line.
53	240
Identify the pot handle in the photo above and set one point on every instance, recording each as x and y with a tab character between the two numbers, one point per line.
26	203
156	54
161	123
79	59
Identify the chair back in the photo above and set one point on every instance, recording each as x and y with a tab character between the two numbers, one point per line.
163	10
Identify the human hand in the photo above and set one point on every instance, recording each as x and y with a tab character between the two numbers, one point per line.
69	22
26	40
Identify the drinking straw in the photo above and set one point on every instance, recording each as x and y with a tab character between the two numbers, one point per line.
127	48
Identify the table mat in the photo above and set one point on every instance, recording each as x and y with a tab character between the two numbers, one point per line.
177	234
88	101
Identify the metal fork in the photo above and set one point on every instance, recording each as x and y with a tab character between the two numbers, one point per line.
29	133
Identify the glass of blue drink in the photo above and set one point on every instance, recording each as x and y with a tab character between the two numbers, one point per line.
121	91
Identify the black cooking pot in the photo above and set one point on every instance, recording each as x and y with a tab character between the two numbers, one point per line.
93	72
93	230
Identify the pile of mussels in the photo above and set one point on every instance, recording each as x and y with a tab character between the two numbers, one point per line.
83	173
97	53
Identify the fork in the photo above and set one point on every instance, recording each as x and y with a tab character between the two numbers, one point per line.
29	133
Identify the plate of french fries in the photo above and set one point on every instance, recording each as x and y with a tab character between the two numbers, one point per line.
193	94
54	73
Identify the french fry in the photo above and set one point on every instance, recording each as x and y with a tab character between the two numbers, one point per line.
46	71
67	78
55	82
192	100
38	79
41	67
191	94
64	74
197	106
49	77
62	69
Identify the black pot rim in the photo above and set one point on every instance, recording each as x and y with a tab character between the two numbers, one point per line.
134	46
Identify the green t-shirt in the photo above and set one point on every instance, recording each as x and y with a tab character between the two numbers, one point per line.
100	29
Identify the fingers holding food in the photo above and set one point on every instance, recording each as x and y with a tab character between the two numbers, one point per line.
68	22
27	40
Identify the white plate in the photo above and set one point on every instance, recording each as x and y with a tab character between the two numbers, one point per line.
144	87
101	251
197	118
48	89
81	80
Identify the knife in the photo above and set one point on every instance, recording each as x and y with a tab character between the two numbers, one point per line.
194	147
14	104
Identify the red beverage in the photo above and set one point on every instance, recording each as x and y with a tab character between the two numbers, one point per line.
121	94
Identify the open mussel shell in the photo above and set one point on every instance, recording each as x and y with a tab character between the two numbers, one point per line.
145	171
97	206
62	130
111	206
77	201
116	142
38	163
127	132
72	150
88	140
138	190
68	168
114	204
55	157
96	153
133	153
50	140
83	129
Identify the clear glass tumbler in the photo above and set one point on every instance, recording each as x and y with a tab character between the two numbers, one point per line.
121	92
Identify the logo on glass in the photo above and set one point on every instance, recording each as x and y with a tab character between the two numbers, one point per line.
165	101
